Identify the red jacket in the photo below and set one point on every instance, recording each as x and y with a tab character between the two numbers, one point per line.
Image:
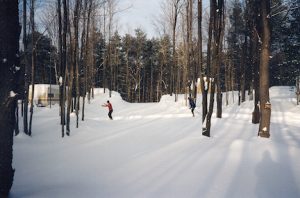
109	106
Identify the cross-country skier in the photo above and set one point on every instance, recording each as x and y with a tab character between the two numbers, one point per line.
110	109
192	105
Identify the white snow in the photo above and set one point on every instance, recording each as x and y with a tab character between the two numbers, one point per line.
157	150
12	94
60	80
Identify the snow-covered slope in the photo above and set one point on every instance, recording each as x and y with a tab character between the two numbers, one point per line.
157	150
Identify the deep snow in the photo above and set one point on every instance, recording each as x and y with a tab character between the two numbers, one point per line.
157	150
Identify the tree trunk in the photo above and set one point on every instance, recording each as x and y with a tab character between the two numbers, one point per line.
217	10
9	50
127	77
220	35
243	72
72	61
33	59
78	3
200	62
254	62
173	65
84	54
207	70
265	105
105	53
255	75
87	87
206	129
189	19
227	80
63	67
26	75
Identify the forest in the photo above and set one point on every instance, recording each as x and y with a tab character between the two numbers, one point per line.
200	51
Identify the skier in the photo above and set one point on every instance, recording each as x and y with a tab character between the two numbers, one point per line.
192	105
110	109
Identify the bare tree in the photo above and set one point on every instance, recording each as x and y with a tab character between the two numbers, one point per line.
265	105
253	21
63	66
59	19
33	59
167	24
111	14
204	89
26	74
217	9
219	42
87	56
189	38
76	56
175	12
171	10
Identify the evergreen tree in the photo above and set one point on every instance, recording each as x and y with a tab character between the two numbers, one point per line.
99	58
292	45
45	58
284	65
235	40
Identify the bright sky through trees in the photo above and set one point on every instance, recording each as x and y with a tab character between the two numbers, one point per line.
140	14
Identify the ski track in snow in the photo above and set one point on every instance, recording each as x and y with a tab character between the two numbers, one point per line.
157	150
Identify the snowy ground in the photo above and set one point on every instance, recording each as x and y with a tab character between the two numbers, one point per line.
157	150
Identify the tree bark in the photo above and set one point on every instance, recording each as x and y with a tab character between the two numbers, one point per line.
220	34
243	71
9	62
26	75
254	54
33	59
200	54
174	25
217	9
211	67
265	105
63	68
78	3
255	74
207	69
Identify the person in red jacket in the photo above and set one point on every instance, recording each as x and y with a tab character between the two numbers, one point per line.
110	109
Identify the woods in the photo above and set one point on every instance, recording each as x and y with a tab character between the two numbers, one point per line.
90	52
203	49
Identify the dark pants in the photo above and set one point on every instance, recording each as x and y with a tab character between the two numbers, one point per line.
109	114
192	109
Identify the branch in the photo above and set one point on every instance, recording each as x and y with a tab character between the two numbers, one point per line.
40	37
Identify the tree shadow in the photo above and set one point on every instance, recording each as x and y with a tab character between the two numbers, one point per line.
274	179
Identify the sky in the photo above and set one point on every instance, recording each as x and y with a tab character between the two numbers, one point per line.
141	14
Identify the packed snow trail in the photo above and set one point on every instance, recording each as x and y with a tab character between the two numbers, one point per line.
157	150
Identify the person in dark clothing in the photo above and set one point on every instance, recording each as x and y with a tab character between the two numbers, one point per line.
192	105
110	109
